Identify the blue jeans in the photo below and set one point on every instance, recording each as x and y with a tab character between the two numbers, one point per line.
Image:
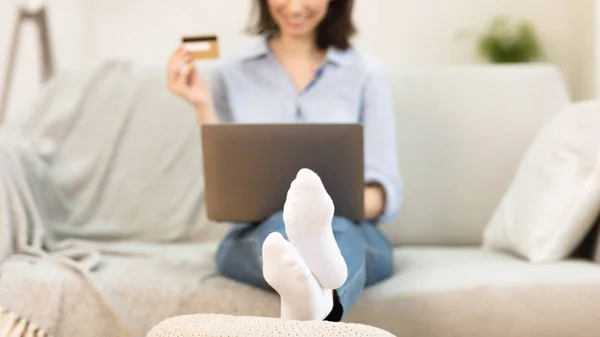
368	255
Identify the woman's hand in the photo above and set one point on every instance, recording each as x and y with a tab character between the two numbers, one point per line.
374	202
183	80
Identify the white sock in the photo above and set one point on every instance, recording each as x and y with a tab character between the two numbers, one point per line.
302	298
307	214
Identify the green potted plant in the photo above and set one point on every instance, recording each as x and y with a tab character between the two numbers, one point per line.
505	42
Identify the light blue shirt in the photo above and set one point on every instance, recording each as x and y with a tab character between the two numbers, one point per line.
349	88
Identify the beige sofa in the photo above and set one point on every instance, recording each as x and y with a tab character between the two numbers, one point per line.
461	134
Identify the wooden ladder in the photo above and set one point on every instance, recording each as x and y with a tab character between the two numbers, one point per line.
40	19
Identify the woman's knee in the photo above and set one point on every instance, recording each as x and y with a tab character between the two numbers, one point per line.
222	256
241	260
242	247
234	246
273	224
341	225
275	217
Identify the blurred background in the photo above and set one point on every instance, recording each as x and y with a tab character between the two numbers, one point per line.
402	33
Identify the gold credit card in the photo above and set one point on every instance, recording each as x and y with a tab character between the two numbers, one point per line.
202	47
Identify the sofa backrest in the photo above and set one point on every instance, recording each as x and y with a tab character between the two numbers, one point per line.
462	131
461	134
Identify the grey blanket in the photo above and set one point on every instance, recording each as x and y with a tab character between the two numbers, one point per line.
102	220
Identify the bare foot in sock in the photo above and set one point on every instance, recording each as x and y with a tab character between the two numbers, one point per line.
307	214
302	298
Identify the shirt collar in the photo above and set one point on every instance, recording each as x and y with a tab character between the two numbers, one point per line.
258	51
334	55
338	57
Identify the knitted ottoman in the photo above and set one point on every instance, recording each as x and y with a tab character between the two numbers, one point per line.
234	326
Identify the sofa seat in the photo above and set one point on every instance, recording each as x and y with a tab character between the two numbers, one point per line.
136	286
435	292
445	291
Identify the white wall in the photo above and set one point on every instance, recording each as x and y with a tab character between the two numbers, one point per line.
119	29
583	48
26	74
426	32
66	18
596	46
400	32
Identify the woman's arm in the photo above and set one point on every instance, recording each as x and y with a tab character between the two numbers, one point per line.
205	114
383	193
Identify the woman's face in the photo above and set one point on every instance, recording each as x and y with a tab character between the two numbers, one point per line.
298	18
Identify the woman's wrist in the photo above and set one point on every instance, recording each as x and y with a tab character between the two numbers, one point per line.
205	113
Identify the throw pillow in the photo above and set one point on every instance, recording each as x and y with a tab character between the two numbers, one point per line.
555	196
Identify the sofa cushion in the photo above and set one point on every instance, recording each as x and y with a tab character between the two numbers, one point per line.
135	287
555	196
469	292
462	132
464	292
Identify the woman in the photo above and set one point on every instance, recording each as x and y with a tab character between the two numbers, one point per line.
305	71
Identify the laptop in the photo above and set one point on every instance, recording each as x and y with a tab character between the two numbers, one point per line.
248	168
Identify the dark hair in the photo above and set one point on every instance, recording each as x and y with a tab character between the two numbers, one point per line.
335	30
